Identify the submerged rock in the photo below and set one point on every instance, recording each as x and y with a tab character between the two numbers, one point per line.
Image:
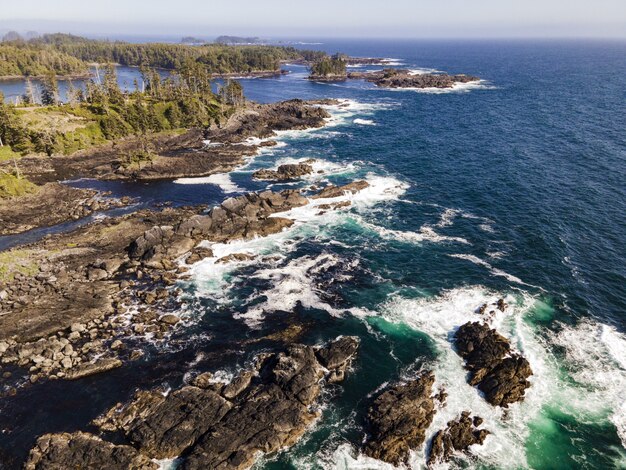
458	436
500	374
398	418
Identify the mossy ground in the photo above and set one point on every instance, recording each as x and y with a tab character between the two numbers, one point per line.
13	186
17	261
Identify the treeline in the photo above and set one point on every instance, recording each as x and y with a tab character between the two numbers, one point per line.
218	58
183	100
21	59
329	66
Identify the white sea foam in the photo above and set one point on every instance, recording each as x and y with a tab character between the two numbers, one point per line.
344	112
168	464
495	271
425	234
208	144
456	88
292	284
595	356
439	317
422	71
364	122
223	180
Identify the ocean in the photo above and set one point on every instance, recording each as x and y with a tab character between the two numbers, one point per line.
510	188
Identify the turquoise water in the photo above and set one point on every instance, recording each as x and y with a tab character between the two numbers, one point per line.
512	188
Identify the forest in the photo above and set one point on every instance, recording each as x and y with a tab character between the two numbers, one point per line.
32	61
329	66
104	112
66	54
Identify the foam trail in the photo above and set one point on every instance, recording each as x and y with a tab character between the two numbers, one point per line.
495	271
596	360
223	180
364	122
456	88
292	284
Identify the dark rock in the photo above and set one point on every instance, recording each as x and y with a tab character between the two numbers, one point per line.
500	374
259	412
398	418
400	78
83	450
235	257
284	172
336	191
177	422
458	436
337	357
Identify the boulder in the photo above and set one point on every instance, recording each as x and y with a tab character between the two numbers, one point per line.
337	191
458	436
398	419
263	410
497	371
93	368
284	172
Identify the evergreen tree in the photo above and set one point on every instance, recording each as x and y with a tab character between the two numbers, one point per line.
49	90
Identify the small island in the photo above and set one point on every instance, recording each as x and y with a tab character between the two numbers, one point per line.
329	69
403	78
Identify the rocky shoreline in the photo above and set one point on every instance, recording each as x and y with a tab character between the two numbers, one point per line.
402	78
195	153
88	301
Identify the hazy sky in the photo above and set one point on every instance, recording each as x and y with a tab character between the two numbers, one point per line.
370	18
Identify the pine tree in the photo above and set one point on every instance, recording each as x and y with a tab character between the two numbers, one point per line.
49	90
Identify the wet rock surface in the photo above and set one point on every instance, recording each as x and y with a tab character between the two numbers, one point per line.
64	301
401	78
398	419
83	450
263	410
285	172
502	375
457	437
52	204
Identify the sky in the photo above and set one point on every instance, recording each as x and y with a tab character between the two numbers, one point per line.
321	18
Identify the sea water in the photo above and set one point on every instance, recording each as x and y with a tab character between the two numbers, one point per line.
511	188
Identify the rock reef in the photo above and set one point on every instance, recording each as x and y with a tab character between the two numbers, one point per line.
212	425
398	419
400	78
286	172
500	374
458	436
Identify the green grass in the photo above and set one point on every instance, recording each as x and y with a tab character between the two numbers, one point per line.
15	261
6	153
12	186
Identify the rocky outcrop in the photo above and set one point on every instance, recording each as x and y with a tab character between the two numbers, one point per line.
399	78
51	204
458	436
82	450
499	373
285	172
337	191
398	418
263	410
